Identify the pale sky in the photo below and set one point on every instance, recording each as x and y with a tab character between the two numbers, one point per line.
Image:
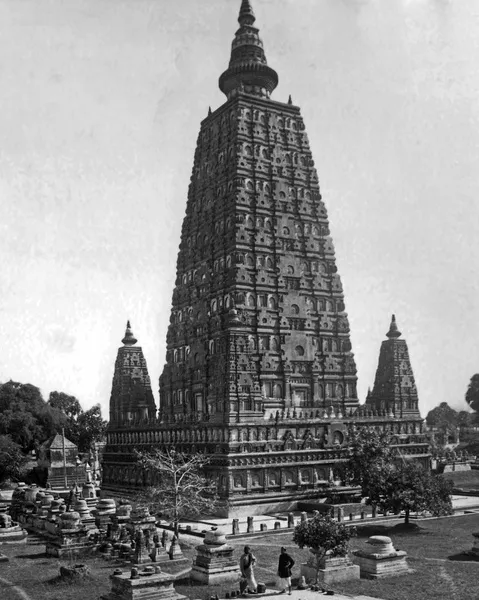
100	108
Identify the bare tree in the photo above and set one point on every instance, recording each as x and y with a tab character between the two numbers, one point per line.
180	488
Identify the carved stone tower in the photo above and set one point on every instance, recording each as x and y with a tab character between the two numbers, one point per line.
258	321
394	387
131	396
259	372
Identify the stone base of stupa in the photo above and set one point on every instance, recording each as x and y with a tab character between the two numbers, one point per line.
333	570
385	561
76	544
146	585
13	535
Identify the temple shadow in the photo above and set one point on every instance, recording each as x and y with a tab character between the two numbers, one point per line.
35	556
463	557
365	531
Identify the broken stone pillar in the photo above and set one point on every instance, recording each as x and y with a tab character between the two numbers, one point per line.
250	526
214	561
382	560
475	546
290	520
235	526
141	552
175	550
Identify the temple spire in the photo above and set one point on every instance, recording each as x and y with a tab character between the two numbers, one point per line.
393	329
248	69
129	339
246	14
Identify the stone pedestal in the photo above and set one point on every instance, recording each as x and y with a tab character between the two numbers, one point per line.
87	519
146	584
72	540
10	531
331	570
214	561
382	560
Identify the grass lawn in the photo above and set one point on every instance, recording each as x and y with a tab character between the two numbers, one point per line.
435	551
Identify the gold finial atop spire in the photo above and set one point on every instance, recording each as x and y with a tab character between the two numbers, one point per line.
248	69
129	339
393	329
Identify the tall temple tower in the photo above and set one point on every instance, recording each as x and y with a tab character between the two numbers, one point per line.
259	371
258	321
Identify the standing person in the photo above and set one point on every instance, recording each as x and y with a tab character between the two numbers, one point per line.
285	564
247	562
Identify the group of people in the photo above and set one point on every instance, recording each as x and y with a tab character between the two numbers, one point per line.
247	563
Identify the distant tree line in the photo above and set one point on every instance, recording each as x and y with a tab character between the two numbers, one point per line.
27	420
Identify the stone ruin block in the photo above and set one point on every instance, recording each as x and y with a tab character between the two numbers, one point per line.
148	583
214	561
331	570
383	560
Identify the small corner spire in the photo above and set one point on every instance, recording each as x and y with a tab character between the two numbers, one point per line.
129	339
393	329
290	100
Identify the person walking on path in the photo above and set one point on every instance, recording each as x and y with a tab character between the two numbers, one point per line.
247	562
285	564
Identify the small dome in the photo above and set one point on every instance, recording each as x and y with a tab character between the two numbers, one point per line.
129	339
393	329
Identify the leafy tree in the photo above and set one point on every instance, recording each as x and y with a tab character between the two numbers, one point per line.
370	453
25	416
411	488
323	535
12	460
181	488
472	394
71	409
442	417
69	405
465	419
83	428
91	428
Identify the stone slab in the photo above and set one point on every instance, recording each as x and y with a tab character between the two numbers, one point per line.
214	576
373	566
154	586
332	574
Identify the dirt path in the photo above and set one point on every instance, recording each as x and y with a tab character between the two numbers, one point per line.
8	586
